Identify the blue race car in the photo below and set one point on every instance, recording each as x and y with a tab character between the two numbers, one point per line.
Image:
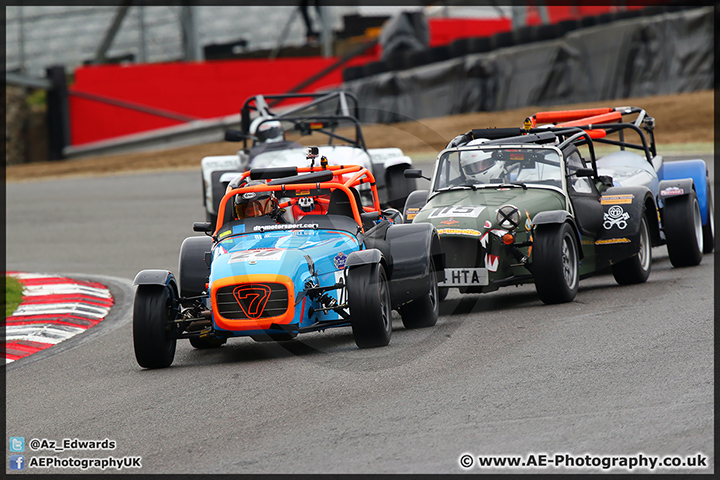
260	277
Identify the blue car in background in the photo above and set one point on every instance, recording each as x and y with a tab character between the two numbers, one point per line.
681	189
259	277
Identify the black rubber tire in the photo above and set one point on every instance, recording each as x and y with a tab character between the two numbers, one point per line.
709	229
683	230
398	187
205	343
193	272
154	336
369	300
423	312
636	269
555	263
443	293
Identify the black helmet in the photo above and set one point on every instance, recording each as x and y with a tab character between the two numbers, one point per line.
254	204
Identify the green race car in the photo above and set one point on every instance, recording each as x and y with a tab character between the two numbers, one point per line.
532	208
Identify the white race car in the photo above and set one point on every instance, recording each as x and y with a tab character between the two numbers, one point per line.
333	115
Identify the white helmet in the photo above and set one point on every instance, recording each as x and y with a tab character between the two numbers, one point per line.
478	165
270	131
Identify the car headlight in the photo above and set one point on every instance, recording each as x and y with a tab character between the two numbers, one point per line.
508	217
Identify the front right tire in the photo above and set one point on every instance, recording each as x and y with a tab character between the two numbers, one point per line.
154	330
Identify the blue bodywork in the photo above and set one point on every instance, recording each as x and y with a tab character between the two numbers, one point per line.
304	257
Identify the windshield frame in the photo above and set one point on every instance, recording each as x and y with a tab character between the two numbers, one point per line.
434	190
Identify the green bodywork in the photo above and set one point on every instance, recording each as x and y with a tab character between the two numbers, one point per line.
466	216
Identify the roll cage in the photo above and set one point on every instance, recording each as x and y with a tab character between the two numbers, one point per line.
323	113
296	182
601	122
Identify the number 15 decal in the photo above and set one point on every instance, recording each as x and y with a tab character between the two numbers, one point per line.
469	211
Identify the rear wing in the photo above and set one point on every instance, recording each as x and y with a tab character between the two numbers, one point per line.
601	122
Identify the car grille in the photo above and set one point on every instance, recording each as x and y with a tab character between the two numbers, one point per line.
252	301
462	252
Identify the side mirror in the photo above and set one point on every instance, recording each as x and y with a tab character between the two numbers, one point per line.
414	173
584	172
202	227
234	136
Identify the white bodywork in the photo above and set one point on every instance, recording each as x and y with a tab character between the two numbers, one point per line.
377	160
629	169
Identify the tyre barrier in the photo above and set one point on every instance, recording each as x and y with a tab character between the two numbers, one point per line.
52	310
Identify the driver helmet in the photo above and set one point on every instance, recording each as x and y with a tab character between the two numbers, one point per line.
267	132
478	165
254	204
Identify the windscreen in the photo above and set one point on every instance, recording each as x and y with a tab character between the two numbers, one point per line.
478	166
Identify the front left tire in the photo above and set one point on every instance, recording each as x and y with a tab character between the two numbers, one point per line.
369	301
555	263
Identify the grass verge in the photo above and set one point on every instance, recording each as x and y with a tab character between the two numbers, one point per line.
13	295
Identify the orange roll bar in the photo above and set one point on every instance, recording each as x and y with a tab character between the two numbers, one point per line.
604	118
569	115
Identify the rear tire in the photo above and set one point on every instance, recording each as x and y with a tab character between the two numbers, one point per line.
709	228
443	293
154	333
369	300
555	263
683	230
636	269
423	312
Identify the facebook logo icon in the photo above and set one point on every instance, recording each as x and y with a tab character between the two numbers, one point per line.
17	462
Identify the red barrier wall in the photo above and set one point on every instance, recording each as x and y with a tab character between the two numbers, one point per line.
196	89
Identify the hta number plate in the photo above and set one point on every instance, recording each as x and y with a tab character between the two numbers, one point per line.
465	277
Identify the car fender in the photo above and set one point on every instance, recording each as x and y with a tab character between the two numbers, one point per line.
157	277
622	209
688	169
370	256
414	203
411	248
550	217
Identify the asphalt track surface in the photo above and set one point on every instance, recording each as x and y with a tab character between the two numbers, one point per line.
620	371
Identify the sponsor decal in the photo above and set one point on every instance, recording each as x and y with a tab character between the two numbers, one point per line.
249	195
666	192
487	224
289	226
616	199
616	217
252	298
224	234
412	213
459	231
450	221
528	223
491	262
611	241
255	255
340	260
467	212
